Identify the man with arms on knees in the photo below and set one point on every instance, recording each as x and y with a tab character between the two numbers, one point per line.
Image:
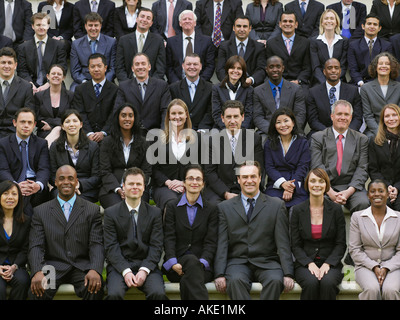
253	228
133	240
67	235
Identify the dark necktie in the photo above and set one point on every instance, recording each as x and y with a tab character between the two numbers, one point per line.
24	158
97	89
40	76
251	208
370	47
241	50
277	97
303	9
133	211
6	90
332	96
189	47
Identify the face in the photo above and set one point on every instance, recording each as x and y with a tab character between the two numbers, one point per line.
55	76
7	67
41	26
371	27
288	24
192	67
66	182
284	125
133	186
391	120
141	67
97	69
177	116
194	182
377	194
126	118
232	119
316	185
347	2
235	72
72	125
144	21
249	180
329	21
275	70
9	198
332	71
341	118
131	2
187	23
383	67
93	29
242	29
24	124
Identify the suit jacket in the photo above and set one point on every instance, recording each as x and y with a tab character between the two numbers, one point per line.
96	112
298	63
160	19
21	21
200	107
260	246
358	57
366	249
308	25
54	53
154	107
354	172
319	55
395	41
264	104
319	108
11	161
87	167
80	52
330	248
254	55
105	10
5	42
373	101
120	25
220	171
360	14
220	95
127	48
77	243
123	250
263	30
200	238
64	28
390	25
205	16
202	45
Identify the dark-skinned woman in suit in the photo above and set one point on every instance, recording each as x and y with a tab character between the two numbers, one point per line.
318	233
74	148
190	237
125	17
14	241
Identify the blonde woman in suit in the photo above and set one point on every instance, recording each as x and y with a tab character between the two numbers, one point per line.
375	247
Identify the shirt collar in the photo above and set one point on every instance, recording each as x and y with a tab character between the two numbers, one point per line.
273	85
70	201
322	37
337	133
101	82
244	42
130	208
196	82
184	201
44	40
368	39
230	135
244	198
97	39
328	86
389	213
291	38
9	81
19	139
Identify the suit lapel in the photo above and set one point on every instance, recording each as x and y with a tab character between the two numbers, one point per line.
391	89
15	147
48	53
371	229
57	212
390	227
185	92
239	209
331	152
348	151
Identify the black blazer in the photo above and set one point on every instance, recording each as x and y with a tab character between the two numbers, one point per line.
390	25
120	25
332	245
200	238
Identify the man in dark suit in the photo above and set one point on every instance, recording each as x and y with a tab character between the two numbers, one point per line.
162	11
227	149
352	14
142	40
253	241
133	240
105	8
95	99
215	18
308	16
322	96
195	92
15	92
36	56
252	51
66	238
188	42
93	42
24	158
151	96
362	51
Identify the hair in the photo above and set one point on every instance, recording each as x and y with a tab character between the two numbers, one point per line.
191	55
98	55
58	66
273	57
257	3
138	4
192	167
24	109
320	173
273	134
289	12
332	59
242	16
230	63
372	15
133	171
341	102
380	137
141	54
40	16
337	19
148	10
385	2
250	163
19	209
377	181
8	52
82	140
394	65
232	104
51	2
93	16
186	12
188	123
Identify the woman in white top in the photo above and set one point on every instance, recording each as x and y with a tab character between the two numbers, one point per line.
125	17
328	44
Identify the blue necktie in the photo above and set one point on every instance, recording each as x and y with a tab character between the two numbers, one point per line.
303	10
277	97
93	45
97	89
332	96
346	24
24	158
251	208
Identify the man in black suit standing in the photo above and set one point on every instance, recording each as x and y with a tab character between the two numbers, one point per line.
67	236
133	240
253	241
252	51
94	99
37	55
141	41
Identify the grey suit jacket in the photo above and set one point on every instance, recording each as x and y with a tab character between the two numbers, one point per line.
354	170
257	241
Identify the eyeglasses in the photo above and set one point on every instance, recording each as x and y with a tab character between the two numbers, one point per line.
197	179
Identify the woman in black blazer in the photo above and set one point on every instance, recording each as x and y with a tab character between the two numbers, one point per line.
318	235
122	25
124	148
233	87
74	148
14	242
390	23
190	238
384	153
